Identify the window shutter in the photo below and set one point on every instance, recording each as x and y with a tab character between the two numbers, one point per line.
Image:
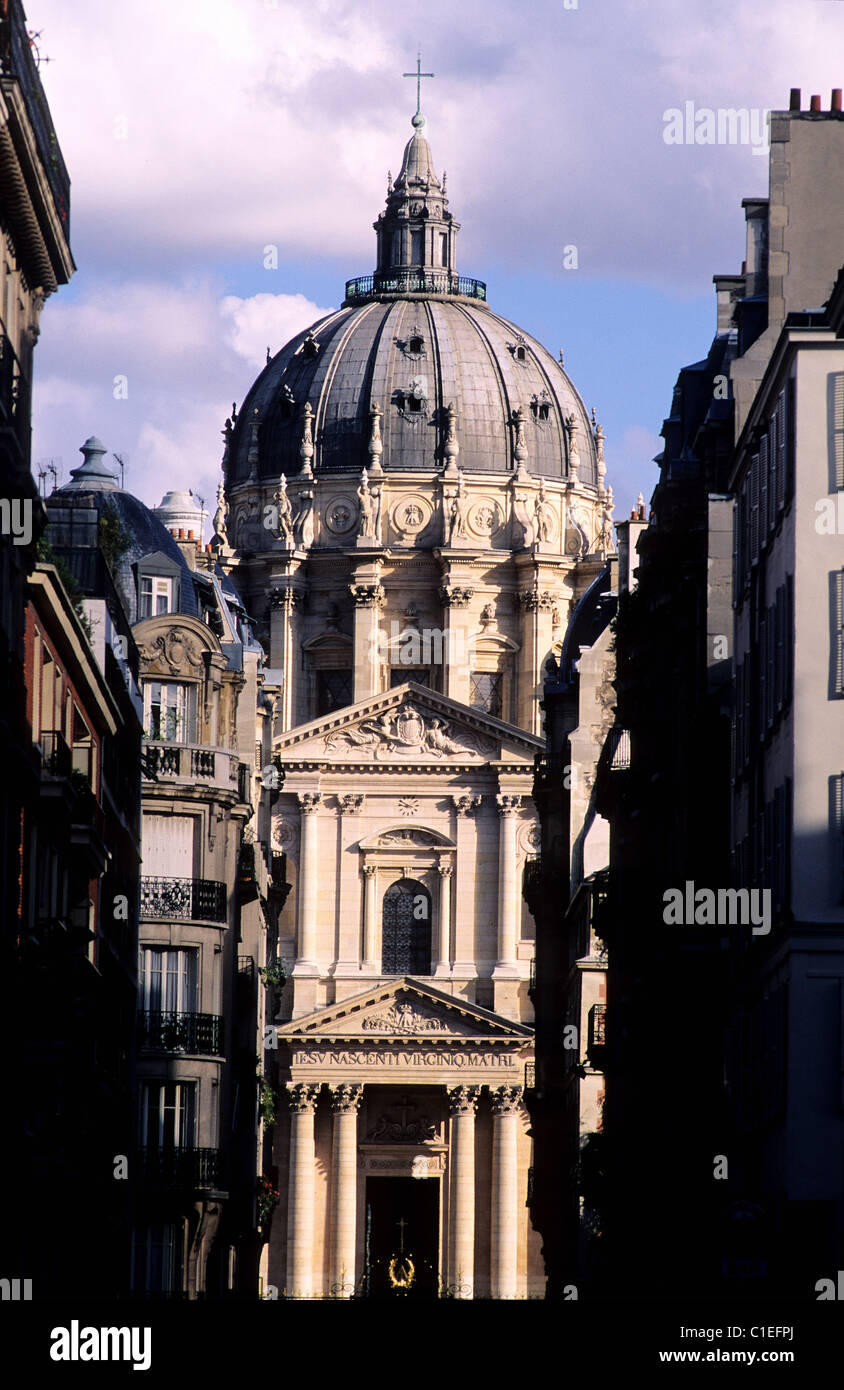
764	519
838	429
786	431
754	509
838	632
789	636
762	668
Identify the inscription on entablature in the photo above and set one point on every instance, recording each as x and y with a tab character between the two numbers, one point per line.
392	1058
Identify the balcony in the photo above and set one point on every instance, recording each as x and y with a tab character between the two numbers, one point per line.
532	880
596	1035
190	1168
198	765
186	899
201	1034
56	757
413	282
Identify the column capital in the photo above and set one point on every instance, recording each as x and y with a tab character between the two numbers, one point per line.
350	804
536	600
308	802
367	595
302	1096
445	866
368	870
282	596
506	1100
345	1098
466	805
508	805
454	596
463	1100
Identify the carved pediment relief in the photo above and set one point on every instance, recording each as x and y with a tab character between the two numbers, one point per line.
408	733
407	1008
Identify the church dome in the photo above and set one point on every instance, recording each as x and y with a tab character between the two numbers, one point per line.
413	339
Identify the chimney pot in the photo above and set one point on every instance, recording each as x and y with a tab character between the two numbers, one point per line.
191	536
181	533
835	104
815	104
794	100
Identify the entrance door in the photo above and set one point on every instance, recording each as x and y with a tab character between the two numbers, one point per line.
402	1237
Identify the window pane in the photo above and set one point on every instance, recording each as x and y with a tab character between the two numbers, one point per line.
485	692
420	674
334	691
406	929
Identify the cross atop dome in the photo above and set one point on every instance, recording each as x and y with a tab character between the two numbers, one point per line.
419	119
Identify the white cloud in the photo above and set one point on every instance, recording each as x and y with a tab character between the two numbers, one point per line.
266	320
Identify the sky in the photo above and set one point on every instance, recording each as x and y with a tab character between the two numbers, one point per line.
197	134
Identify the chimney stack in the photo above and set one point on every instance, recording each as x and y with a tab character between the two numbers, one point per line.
835	104
794	101
815	104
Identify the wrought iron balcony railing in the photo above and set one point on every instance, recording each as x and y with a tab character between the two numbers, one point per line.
596	1030
181	1032
197	1169
56	758
194	899
414	282
531	876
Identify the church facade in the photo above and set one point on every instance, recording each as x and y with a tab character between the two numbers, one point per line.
414	500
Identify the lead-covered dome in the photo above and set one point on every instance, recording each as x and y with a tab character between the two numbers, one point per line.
413	339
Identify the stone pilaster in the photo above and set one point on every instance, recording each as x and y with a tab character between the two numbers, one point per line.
368	597
465	836
506	1205
306	969
506	973
300	1192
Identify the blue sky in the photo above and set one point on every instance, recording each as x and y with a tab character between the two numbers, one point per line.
197	134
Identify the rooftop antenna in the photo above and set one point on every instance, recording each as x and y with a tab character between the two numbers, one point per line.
119	458
46	466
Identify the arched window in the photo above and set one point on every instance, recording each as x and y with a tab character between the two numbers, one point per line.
406	929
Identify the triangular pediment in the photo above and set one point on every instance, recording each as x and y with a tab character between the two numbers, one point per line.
405	1008
409	725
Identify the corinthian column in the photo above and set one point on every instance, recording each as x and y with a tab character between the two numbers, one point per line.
300	1192
506	1207
308	884
462	1101
344	1177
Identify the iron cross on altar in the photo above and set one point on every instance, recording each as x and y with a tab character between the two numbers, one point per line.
418	74
401	1223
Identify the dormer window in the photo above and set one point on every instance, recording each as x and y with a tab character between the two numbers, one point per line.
416	345
520	353
156	596
414	404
